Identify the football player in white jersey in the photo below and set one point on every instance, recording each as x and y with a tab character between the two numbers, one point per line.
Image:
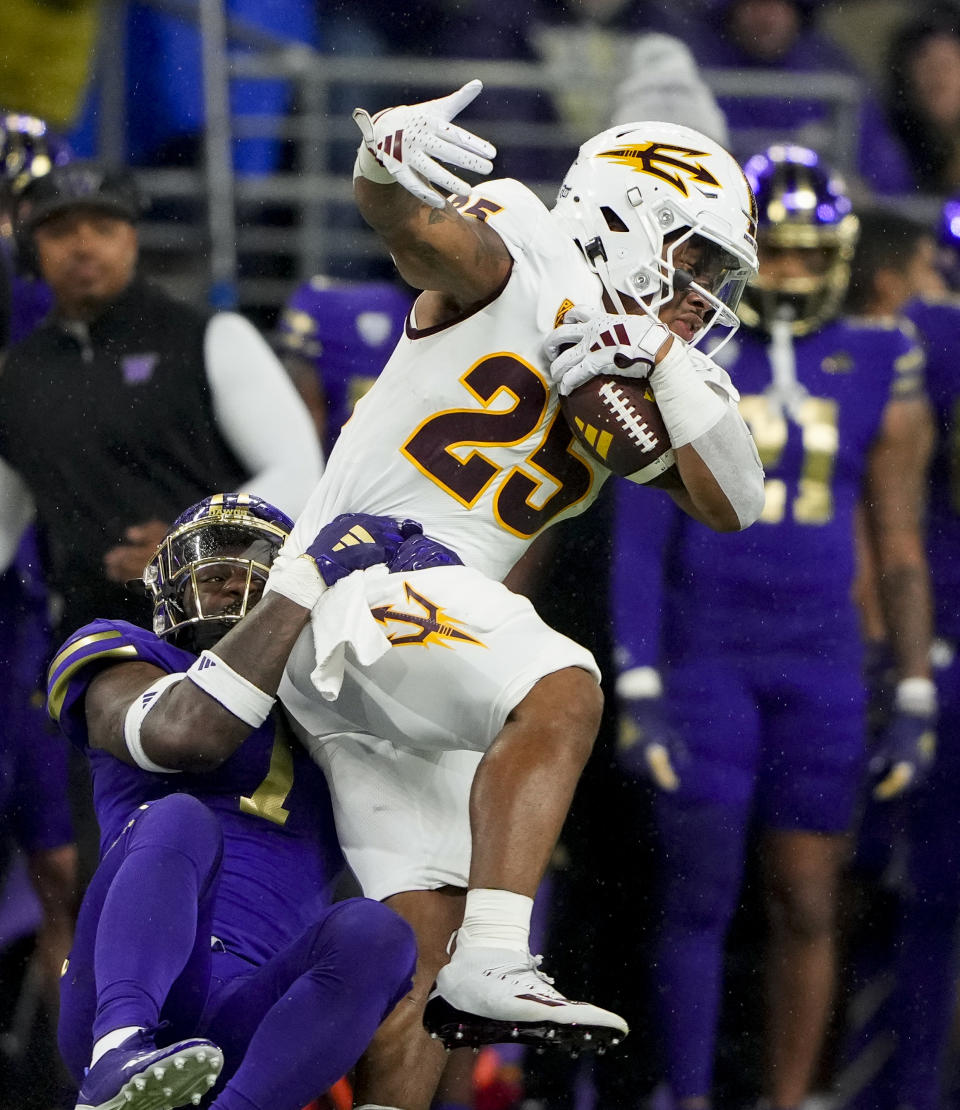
478	708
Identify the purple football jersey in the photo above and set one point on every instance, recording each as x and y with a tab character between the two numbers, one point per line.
348	332
33	764
787	578
271	800
939	325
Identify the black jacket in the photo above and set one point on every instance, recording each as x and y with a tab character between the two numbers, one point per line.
110	426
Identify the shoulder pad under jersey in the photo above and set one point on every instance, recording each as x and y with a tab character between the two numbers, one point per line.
100	644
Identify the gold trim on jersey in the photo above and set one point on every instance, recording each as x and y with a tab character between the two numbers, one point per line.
58	692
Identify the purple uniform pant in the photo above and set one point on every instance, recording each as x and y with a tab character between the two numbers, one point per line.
142	955
779	738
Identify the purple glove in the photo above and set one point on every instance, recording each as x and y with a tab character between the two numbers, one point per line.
419	552
904	754
650	747
355	541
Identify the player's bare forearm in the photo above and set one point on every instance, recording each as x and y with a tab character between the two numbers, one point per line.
435	248
894	511
256	648
906	603
188	730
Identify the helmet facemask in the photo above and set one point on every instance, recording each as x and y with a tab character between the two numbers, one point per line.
803	208
220	542
633	208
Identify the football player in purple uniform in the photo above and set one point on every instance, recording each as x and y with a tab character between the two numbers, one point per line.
761	640
206	936
27	151
895	272
33	769
334	339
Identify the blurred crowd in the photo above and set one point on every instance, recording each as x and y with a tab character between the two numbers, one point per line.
608	915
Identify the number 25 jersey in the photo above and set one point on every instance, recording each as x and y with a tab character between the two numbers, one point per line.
463	423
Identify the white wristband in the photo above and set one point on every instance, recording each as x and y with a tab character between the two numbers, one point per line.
297	579
235	693
688	405
139	708
916	696
367	166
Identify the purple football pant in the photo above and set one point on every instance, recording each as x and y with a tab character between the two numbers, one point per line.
779	738
142	954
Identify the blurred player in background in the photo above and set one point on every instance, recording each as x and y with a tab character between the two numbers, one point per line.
763	715
897	273
38	858
334	339
206	936
28	151
33	765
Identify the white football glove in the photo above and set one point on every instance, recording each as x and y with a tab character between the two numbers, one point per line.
591	342
407	139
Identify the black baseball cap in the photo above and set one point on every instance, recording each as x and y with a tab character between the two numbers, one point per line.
78	185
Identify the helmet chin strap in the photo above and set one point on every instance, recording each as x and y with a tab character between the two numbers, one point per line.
203	634
603	272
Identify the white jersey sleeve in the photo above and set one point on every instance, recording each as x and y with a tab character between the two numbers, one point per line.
462	430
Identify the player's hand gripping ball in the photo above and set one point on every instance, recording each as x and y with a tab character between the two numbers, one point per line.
601	364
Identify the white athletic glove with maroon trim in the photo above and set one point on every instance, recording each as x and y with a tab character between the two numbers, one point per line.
591	343
406	144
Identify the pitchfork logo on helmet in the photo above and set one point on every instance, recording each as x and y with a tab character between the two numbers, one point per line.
236	529
803	206
637	192
660	160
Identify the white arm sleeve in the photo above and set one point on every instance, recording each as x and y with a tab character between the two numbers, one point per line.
701	401
729	451
16	512
260	414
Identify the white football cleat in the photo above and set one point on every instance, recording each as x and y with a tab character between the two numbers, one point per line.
495	995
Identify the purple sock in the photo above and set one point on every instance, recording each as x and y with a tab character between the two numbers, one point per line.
302	1020
148	925
703	853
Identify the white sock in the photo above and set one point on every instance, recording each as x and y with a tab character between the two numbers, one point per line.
496	919
111	1040
375	1106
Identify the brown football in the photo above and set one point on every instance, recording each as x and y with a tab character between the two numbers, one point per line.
618	423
